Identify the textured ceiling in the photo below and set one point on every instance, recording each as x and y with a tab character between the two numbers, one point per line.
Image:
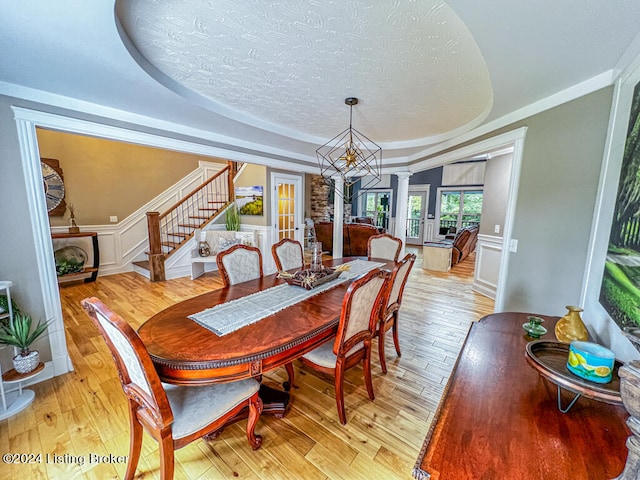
287	66
276	73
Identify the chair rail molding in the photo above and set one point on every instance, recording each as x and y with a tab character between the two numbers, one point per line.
487	269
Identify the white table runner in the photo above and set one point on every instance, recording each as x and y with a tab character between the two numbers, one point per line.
231	316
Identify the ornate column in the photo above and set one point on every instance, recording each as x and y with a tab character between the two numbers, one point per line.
338	217
400	228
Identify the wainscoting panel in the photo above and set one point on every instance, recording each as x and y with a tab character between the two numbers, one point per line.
488	256
429	229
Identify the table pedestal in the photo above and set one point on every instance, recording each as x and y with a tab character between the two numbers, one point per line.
274	402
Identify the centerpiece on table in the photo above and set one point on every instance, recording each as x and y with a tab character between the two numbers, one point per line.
312	277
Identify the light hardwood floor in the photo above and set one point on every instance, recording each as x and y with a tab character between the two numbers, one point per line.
84	412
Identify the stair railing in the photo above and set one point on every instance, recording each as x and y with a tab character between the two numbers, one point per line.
172	229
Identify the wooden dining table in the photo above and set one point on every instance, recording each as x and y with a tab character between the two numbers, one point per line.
186	353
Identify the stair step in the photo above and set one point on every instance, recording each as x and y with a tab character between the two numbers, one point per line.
170	244
217	202
142	264
178	234
208	209
199	217
189	225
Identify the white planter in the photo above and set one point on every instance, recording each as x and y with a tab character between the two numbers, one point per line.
28	363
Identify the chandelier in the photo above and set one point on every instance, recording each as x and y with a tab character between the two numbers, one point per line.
352	156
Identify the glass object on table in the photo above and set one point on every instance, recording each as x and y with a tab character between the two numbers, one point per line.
534	327
316	256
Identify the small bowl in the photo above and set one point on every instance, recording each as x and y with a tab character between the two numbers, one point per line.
591	361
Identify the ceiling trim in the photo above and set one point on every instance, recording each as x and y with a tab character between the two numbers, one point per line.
497	143
284	159
110	132
591	85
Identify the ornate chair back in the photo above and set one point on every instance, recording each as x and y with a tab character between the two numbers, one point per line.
358	321
288	254
384	246
138	376
173	415
359	316
389	311
239	263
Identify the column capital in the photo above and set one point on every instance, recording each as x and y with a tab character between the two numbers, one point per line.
403	174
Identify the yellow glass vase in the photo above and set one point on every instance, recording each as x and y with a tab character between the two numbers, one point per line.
571	327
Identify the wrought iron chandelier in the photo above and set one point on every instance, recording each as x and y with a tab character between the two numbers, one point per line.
352	156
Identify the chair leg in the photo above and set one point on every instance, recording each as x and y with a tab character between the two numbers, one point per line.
383	363
255	409
367	373
135	443
339	385
288	385
396	342
166	455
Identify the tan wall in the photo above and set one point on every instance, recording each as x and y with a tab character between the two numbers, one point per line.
251	176
105	178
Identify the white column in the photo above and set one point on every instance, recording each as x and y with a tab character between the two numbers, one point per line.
338	217
400	230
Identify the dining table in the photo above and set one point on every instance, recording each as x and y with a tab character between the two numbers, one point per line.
185	352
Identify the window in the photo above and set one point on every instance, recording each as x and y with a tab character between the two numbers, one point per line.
377	205
459	208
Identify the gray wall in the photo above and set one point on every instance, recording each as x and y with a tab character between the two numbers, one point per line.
563	152
17	246
496	193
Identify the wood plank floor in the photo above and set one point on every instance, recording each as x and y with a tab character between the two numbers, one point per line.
84	412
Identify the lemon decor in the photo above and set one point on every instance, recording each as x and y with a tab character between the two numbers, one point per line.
591	361
571	327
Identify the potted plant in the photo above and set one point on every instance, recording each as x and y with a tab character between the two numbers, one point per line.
20	335
232	220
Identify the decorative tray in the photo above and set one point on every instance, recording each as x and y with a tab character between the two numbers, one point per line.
550	360
308	278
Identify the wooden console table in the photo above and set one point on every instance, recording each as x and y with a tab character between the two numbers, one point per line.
93	270
498	418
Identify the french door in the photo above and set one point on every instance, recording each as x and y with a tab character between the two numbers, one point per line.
417	207
286	201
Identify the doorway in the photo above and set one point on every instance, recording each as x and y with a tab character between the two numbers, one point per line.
417	208
286	207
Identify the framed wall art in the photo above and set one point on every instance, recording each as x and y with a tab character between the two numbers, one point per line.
611	294
249	200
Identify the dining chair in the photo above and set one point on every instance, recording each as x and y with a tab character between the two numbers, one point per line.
358	320
173	415
391	306
239	263
384	246
288	254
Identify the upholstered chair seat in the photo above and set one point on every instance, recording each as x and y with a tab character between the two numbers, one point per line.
196	407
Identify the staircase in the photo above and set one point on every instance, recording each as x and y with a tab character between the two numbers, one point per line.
170	230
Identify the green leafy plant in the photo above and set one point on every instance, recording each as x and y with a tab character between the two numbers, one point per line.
4	307
68	265
232	220
19	333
